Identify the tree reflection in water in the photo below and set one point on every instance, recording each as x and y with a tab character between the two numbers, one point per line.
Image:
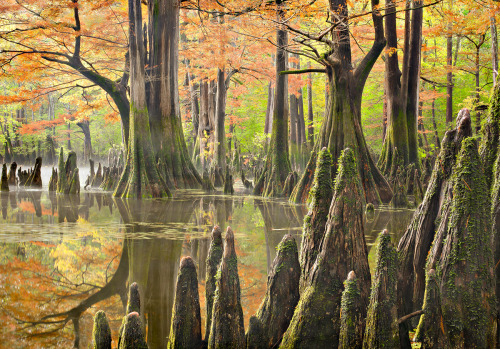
128	240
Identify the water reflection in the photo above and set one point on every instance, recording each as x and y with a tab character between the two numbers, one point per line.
96	244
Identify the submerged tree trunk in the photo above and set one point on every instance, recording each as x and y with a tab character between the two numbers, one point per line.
163	100
342	125
140	177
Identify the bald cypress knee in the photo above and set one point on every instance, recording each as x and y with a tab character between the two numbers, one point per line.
227	330
273	317
186	318
213	260
315	221
351	319
101	333
133	336
316	321
382	330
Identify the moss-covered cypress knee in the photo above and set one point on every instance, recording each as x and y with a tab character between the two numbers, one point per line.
35	179
133	306
186	318
282	294
74	185
133	336
382	329
53	180
101	333
213	260
351	320
465	263
227	329
4	184
316	320
488	149
315	220
429	326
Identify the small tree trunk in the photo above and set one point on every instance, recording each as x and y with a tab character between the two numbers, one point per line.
449	75
494	48
87	143
4	185
269	109
310	115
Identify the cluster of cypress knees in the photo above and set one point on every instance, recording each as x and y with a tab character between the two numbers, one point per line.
324	295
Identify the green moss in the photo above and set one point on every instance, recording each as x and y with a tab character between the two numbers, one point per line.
101	333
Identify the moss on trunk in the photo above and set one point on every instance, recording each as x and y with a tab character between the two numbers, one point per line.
227	330
273	317
213	260
315	220
351	319
428	329
382	330
186	318
488	148
101	333
316	321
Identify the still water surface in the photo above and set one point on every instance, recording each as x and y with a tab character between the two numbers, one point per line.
65	257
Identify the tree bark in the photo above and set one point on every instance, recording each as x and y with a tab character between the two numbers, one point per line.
494	49
402	89
163	100
140	177
87	142
271	181
310	114
342	125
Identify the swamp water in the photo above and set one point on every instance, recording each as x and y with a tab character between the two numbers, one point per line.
57	251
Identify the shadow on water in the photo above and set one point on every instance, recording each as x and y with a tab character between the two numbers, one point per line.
153	235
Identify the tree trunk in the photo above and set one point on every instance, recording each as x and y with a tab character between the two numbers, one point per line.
87	143
449	75
277	168
494	49
310	118
220	117
342	125
402	90
163	100
140	177
416	242
269	109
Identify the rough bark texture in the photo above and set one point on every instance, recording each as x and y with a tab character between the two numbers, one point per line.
316	321
402	88
163	100
271	181
342	125
415	244
213	260
315	220
495	211
490	136
227	330
428	329
186	318
382	330
463	258
228	182
133	337
140	177
351	319
101	333
97	180
53	180
273	317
